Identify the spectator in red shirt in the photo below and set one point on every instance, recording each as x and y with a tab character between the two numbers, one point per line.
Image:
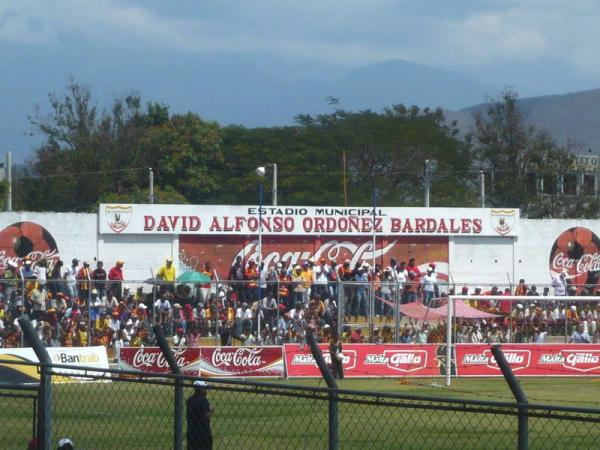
115	275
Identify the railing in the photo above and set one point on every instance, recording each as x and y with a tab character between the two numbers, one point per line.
80	313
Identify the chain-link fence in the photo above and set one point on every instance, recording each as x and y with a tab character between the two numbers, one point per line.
18	413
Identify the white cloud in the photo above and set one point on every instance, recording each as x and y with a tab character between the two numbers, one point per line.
351	32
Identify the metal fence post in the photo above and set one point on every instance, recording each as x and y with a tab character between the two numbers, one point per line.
44	421
331	384
178	397
519	394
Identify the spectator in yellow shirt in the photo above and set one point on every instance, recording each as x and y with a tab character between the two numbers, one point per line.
167	274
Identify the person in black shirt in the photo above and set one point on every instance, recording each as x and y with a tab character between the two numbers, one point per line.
199	411
335	350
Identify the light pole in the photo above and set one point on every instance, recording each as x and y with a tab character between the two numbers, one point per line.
430	168
261	171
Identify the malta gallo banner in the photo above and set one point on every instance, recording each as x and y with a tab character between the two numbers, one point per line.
231	362
366	360
530	360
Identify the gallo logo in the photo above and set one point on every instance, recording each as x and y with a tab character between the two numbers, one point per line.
581	360
577	252
306	359
118	217
406	360
518	359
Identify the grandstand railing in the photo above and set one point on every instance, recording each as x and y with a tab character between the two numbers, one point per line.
369	307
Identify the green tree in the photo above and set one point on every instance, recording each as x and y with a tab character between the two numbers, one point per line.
520	159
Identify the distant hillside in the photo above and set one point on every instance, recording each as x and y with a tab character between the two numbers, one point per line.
570	118
376	86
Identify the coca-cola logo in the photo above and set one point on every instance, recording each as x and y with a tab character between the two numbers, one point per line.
576	251
151	359
330	250
27	240
241	357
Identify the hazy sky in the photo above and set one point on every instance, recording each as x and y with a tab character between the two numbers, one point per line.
538	46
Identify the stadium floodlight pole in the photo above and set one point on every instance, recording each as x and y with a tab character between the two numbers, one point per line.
260	261
261	172
372	284
426	183
151	185
449	340
8	172
482	187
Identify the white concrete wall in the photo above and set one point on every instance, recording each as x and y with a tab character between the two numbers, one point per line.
473	259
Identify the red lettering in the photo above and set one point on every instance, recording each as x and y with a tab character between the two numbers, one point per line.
173	221
465	225
353	224
442	228
453	228
319	225
477	226
431	225
342	224
395	225
407	227
252	223
149	223
184	223
162	224
226	226
194	223
307	224
366	225
214	226
277	224
378	224
239	223
330	224
288	224
420	225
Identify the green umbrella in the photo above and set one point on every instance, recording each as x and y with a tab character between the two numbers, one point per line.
193	277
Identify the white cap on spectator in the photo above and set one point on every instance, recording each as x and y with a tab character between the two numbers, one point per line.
142	306
129	322
200	384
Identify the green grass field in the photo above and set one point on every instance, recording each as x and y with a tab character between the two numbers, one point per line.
123	415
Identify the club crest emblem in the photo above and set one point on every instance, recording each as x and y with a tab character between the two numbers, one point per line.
118	217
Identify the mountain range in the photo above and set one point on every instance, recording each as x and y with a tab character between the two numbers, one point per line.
259	90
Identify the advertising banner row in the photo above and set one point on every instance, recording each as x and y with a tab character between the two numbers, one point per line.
370	360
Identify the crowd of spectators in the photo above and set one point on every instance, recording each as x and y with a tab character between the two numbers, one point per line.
79	305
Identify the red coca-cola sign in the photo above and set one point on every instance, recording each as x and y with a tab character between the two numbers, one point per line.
240	362
151	359
290	250
577	252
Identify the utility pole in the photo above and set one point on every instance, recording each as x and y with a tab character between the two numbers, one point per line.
151	187
8	171
274	184
482	188
427	182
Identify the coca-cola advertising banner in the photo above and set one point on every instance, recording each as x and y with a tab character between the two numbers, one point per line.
305	220
232	362
151	359
367	360
194	251
241	362
576	251
530	360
